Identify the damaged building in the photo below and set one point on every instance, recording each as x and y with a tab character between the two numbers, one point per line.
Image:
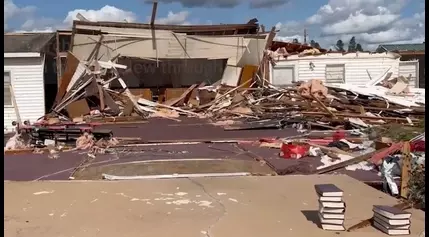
163	61
412	58
30	81
356	68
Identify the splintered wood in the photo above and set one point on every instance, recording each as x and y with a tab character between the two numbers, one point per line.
311	103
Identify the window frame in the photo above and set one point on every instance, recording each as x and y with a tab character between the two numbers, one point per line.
11	105
343	65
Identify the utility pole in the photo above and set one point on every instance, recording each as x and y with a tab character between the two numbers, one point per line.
305	36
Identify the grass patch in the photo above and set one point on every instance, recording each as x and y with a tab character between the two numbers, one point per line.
399	132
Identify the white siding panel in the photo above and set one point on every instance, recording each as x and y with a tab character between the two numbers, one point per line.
28	85
408	68
356	68
283	75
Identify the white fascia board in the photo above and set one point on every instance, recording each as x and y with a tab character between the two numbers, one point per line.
22	55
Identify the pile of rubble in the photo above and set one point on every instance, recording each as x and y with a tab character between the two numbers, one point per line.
312	103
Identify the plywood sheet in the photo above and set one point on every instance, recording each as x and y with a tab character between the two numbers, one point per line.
246	74
71	66
78	108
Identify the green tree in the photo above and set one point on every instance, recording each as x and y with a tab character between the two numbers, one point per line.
317	45
312	43
295	41
340	46
359	48
352	45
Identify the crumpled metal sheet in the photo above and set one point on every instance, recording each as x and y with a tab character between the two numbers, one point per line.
390	168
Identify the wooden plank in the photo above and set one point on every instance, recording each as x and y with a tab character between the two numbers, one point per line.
181	97
154	7
72	64
247	73
346	163
358	116
58	59
330	149
101	97
323	106
406	169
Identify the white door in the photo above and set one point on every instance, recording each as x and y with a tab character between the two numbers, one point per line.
283	75
407	68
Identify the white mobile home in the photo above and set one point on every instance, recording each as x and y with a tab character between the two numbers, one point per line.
351	68
24	76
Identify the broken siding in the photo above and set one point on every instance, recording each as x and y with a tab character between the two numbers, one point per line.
407	68
355	67
28	85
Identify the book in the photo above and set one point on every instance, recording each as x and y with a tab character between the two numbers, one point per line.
333	227
330	221
330	199
392	222
328	190
331	210
394	227
391	212
331	215
333	204
391	231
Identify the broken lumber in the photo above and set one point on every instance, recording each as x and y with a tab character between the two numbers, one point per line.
347	163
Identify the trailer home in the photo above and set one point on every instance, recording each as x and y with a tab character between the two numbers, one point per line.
351	68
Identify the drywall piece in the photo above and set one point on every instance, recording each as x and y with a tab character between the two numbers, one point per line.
231	76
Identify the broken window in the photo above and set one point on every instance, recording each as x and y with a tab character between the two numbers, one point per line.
7	94
335	73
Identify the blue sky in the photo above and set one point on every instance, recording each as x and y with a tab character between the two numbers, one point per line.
372	22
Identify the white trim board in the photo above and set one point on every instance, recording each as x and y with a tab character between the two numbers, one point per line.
22	55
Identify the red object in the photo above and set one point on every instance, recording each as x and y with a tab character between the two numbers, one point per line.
417	146
381	154
294	150
338	135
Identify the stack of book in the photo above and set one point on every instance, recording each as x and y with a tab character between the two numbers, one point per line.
391	221
331	207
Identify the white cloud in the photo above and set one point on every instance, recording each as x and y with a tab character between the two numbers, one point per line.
106	13
43	23
12	12
359	23
179	18
372	22
38	30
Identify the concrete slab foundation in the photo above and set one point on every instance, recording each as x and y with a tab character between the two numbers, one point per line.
200	207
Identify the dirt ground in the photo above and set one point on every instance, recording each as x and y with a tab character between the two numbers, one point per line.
175	167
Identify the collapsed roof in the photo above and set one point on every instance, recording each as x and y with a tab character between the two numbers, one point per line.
252	27
165	41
